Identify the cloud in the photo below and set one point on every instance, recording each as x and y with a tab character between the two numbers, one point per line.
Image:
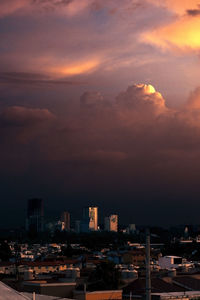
193	12
76	69
116	7
132	146
91	99
194	100
139	120
181	32
181	35
24	78
141	97
18	116
100	41
177	6
137	117
138	98
140	102
22	125
52	3
69	7
8	7
130	142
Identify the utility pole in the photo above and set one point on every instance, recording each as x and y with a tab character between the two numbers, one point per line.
148	270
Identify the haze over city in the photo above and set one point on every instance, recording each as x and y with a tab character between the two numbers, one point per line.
100	105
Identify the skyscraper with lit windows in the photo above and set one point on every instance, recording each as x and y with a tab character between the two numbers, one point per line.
65	218
111	223
90	215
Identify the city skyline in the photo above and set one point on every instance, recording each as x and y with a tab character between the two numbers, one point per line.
38	218
100	105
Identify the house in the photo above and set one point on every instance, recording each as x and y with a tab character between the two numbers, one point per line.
135	257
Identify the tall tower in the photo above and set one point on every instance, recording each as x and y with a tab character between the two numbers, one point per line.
111	223
90	214
35	215
65	218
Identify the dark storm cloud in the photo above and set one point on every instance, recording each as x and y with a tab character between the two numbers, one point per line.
131	147
136	123
22	125
22	116
24	78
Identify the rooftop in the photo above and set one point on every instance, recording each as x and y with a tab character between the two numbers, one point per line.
158	285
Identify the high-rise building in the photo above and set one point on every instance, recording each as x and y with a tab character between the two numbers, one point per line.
35	215
131	229
90	215
111	223
65	218
77	226
107	223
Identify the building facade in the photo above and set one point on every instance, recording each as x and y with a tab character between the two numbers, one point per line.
90	216
65	218
111	223
35	215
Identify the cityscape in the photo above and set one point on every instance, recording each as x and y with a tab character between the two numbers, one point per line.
58	260
99	149
89	222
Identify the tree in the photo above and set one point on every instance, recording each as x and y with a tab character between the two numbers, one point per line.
106	276
5	252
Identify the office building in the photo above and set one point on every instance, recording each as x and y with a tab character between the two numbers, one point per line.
77	226
111	223
35	215
90	216
131	229
65	218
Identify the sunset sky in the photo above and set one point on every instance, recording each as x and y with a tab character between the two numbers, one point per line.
100	104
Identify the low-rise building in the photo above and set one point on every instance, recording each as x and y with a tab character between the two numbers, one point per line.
98	295
135	257
168	262
51	288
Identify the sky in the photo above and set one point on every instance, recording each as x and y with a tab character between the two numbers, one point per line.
100	105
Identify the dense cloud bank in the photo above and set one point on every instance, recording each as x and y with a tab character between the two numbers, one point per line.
137	123
129	147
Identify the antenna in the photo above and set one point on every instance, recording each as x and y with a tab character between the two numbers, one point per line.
148	270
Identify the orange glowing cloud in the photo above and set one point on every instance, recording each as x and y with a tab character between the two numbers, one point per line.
77	69
183	32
